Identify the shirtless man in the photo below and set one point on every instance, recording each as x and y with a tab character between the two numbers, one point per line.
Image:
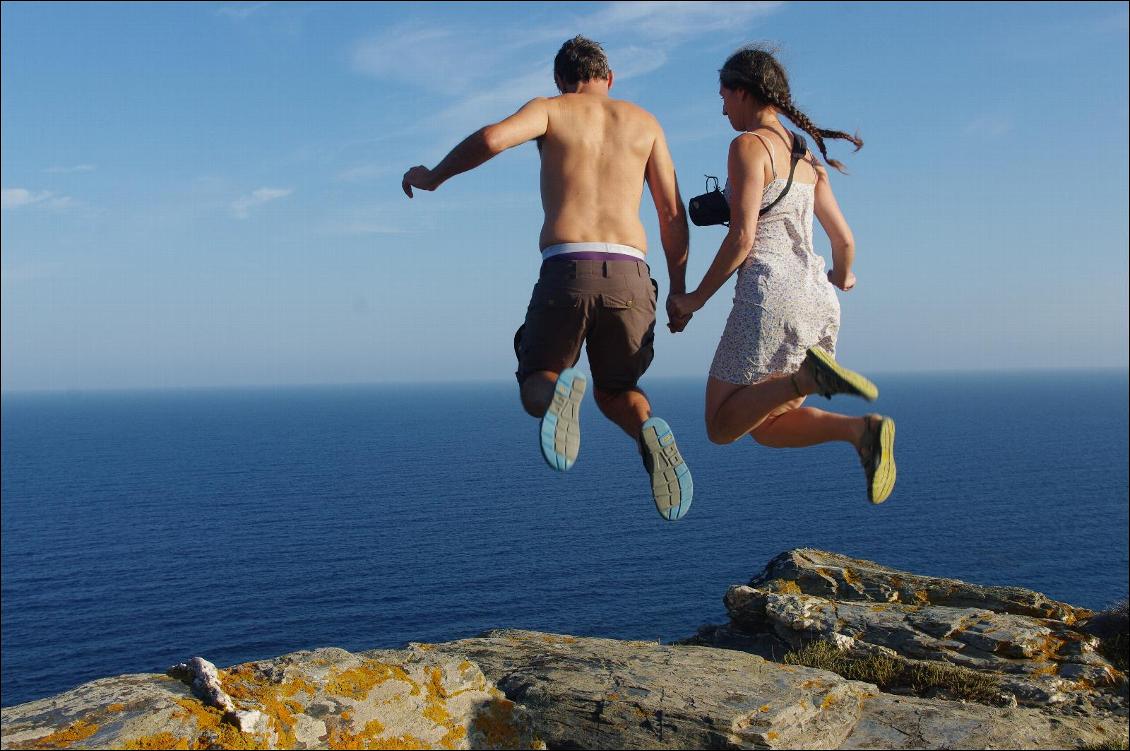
594	286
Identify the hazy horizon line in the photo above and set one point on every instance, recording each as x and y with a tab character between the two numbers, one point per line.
500	381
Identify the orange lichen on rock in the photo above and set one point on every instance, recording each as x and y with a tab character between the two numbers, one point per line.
116	708
206	718
156	742
76	731
453	736
339	735
356	683
496	723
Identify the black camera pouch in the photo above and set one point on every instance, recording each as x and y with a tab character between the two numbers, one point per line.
712	208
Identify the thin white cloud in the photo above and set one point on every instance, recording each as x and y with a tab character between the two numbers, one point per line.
364	228
676	20
445	60
26	272
483	74
989	125
17	198
362	172
241	207
241	10
69	170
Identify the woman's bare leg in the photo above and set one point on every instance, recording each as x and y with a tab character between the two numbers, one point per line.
807	426
733	410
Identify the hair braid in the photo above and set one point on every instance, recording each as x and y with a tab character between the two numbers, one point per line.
790	110
757	72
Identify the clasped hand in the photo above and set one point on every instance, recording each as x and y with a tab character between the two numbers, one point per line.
680	309
417	177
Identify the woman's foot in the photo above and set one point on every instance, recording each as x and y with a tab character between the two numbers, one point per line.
821	374
876	449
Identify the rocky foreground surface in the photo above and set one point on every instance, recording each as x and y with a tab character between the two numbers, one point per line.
930	663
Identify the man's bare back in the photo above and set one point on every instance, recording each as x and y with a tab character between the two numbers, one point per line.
594	155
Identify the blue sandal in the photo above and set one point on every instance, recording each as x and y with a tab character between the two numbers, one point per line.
561	426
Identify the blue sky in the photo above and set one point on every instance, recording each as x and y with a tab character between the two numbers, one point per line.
208	194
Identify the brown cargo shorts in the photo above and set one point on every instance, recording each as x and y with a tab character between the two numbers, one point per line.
607	305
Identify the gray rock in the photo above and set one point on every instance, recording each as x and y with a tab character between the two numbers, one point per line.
604	693
1032	644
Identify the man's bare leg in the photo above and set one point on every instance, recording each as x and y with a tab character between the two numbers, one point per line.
628	409
536	392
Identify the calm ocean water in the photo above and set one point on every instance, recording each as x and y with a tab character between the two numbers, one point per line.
140	529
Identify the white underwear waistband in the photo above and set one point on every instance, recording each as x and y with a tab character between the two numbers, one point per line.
606	248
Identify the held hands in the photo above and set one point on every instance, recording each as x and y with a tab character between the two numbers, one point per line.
418	177
845	280
680	308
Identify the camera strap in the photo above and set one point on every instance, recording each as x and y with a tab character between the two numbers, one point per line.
800	148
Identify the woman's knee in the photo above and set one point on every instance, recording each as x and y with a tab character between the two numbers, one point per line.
716	434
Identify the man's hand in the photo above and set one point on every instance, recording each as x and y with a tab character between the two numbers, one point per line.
418	177
680	308
845	280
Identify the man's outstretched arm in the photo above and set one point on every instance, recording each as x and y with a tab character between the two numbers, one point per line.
526	124
673	230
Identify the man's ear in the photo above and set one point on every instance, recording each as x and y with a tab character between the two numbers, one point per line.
611	76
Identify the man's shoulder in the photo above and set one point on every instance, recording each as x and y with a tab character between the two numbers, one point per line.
634	109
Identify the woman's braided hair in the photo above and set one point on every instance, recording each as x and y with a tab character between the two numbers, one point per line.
754	70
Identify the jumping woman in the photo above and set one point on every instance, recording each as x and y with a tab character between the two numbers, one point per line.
780	338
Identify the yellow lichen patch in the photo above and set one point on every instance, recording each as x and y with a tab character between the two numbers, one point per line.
434	684
764	708
339	736
298	684
787	587
829	700
356	683
116	708
156	742
613	696
399	742
346	715
206	718
232	738
496	723
437	714
921	597
424	647
772	736
849	577
464	666
76	731
453	736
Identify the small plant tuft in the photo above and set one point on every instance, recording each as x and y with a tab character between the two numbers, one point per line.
888	672
1115	644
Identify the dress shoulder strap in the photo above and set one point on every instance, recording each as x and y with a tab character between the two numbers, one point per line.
769	148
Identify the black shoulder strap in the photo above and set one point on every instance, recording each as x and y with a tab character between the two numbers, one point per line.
800	148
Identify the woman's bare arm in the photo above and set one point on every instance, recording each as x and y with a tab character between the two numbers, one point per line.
746	166
828	213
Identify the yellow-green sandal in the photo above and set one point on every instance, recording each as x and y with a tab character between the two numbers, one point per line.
833	378
879	466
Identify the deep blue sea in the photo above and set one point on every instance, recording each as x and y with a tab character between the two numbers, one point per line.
142	528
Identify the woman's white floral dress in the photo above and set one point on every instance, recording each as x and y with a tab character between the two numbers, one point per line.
783	301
